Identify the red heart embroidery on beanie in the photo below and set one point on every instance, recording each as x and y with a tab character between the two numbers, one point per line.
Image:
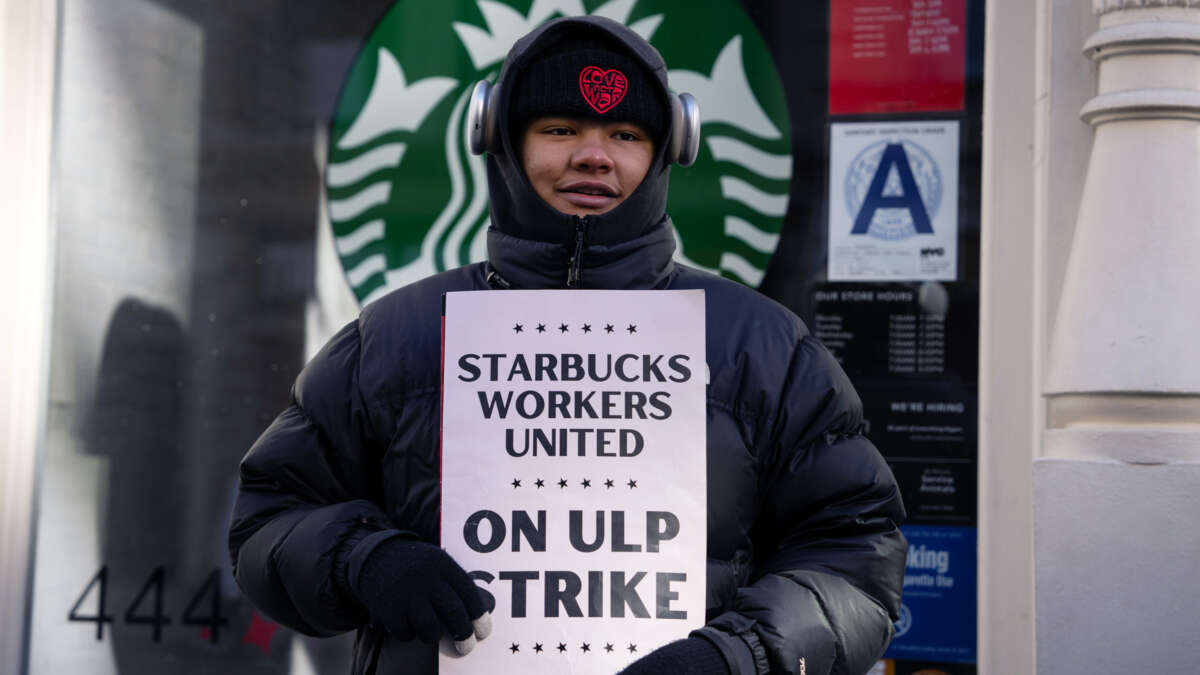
601	88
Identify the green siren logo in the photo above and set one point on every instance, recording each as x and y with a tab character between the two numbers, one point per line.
406	199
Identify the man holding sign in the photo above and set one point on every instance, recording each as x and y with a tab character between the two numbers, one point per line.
597	423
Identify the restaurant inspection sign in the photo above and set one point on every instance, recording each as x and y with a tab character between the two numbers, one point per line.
573	472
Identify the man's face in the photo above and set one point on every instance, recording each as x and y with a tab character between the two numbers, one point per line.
583	166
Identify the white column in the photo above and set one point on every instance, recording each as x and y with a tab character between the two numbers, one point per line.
1008	427
27	54
1117	485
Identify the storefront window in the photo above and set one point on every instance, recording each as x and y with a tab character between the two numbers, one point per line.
234	180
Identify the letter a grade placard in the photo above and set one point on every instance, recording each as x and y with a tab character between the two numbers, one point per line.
893	201
574	473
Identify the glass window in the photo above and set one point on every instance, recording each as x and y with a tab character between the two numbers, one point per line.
235	179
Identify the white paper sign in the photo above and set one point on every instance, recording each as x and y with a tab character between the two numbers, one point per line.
573	473
893	201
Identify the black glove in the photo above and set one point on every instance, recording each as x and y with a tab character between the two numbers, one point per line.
693	656
415	590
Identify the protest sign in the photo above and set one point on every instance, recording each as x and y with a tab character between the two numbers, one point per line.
573	473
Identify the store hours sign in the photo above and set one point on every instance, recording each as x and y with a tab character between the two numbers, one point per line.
573	472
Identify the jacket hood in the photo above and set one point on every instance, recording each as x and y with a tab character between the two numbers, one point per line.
521	219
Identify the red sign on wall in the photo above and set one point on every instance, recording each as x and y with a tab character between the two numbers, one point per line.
896	56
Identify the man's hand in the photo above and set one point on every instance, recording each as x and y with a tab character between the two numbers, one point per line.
415	590
693	656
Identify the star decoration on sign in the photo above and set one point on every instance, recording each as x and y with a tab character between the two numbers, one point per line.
586	647
608	483
586	483
564	327
608	647
515	648
537	647
632	483
516	483
632	648
562	647
562	482
540	483
259	634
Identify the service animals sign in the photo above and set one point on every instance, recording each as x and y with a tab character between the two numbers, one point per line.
893	201
573	473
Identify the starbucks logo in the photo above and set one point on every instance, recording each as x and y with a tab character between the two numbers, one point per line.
406	199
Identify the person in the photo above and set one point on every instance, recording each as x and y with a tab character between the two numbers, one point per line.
337	517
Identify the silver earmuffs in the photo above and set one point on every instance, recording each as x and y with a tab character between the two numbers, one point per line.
683	144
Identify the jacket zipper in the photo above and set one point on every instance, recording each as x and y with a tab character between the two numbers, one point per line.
573	268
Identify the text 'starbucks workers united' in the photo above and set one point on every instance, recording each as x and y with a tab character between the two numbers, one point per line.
406	199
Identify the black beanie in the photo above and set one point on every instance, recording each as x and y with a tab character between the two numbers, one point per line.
581	76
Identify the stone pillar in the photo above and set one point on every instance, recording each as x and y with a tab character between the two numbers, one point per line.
1117	485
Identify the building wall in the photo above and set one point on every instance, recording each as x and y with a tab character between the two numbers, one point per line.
1035	160
28	46
1120	453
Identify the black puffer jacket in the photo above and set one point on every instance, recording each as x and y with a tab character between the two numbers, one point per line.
805	561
